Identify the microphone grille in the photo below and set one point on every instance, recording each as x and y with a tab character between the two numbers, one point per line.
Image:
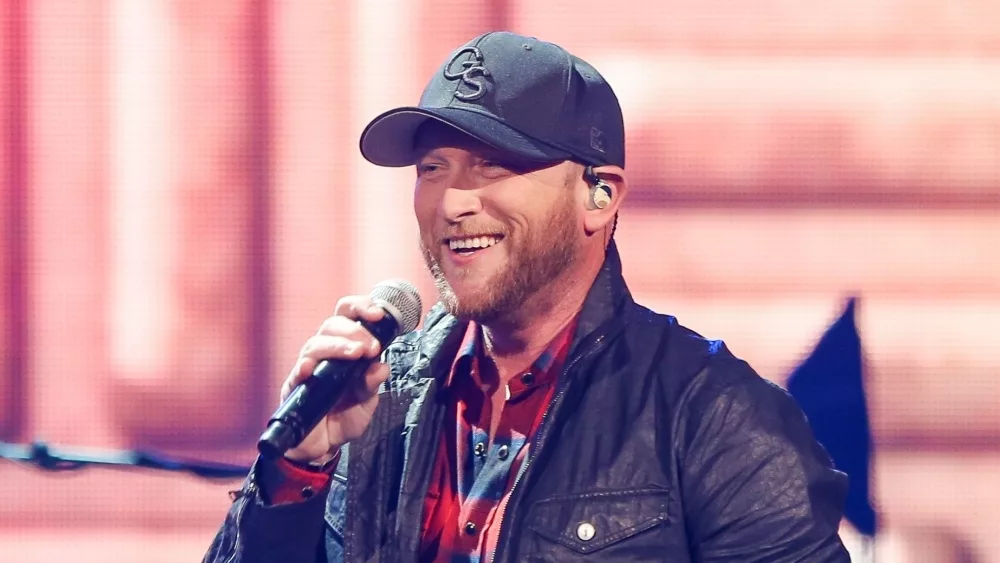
401	300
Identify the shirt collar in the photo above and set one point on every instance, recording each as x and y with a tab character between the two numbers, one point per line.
542	370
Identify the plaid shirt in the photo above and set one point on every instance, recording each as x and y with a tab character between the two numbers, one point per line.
474	476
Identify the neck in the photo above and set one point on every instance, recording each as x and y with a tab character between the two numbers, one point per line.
516	340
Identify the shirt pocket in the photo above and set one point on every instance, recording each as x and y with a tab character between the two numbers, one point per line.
626	525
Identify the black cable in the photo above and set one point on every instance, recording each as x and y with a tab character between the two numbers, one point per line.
40	455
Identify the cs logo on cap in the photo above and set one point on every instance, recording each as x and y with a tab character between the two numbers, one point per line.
469	70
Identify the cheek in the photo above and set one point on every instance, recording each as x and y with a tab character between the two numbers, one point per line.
547	217
423	207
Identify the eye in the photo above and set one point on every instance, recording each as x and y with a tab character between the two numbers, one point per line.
496	168
424	168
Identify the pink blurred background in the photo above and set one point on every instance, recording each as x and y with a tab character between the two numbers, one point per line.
182	202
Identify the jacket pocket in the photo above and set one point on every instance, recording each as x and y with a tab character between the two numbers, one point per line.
335	502
590	522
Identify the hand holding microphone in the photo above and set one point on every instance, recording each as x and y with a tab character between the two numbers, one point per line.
330	395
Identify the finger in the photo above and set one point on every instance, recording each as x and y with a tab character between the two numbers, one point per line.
327	347
359	307
369	404
300	371
375	376
343	326
339	325
317	349
366	387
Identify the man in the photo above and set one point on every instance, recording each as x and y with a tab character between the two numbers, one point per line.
540	414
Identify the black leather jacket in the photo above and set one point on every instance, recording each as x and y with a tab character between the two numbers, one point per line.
671	448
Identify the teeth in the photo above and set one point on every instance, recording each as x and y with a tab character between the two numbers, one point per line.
473	242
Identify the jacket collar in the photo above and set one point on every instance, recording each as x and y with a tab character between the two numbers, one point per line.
607	297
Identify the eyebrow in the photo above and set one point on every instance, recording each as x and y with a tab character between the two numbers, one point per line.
484	152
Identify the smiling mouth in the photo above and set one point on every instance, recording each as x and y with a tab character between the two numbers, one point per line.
465	246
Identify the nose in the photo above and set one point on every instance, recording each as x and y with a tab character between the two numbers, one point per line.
458	203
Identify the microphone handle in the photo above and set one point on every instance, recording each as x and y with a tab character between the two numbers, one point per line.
312	399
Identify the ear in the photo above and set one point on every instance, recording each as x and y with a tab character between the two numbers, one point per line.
597	219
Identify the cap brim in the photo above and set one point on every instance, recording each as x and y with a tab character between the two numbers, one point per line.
389	138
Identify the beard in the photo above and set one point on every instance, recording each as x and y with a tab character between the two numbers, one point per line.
535	260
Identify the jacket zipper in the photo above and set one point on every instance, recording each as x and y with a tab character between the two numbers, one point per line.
595	347
251	489
430	428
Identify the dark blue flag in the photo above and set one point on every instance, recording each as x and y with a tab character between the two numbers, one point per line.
829	386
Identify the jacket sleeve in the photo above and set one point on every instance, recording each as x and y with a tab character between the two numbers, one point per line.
256	531
757	486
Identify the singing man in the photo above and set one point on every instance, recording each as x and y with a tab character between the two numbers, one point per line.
540	414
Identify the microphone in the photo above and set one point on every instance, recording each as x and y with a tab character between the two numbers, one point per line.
310	401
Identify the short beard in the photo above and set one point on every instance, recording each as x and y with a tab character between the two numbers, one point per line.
534	265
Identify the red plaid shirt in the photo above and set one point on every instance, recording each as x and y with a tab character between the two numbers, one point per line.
472	477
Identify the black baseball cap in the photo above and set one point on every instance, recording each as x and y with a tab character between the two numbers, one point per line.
516	93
